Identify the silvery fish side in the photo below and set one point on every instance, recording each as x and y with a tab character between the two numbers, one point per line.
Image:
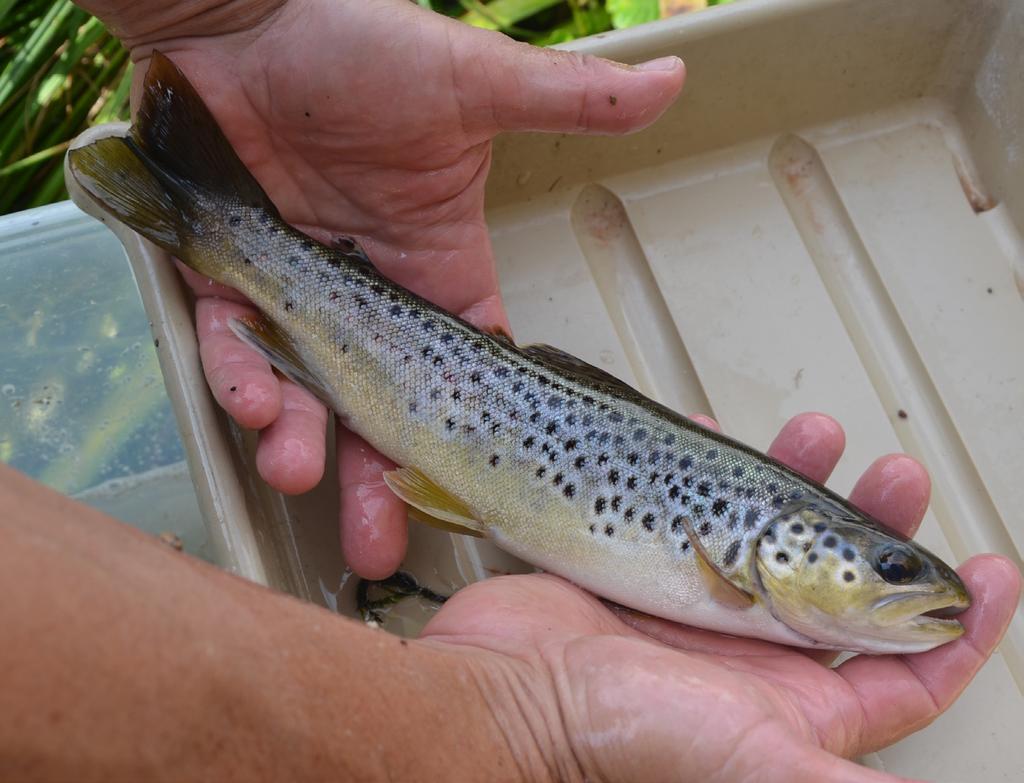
558	462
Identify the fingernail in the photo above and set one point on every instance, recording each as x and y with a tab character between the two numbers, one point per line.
661	64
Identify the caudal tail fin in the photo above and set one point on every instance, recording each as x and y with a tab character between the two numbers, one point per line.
174	159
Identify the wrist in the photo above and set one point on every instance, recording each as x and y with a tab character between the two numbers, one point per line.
148	23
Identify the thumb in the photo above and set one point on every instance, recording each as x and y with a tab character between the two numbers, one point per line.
520	87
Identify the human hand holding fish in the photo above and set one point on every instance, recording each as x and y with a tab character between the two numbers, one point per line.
372	119
798	564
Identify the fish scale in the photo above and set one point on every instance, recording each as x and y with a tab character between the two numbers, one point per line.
554	460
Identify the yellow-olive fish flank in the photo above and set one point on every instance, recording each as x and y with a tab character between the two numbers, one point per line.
554	460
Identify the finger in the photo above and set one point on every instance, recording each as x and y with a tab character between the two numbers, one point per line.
900	694
706	421
895	491
203	286
528	88
374	532
810	443
241	380
291	451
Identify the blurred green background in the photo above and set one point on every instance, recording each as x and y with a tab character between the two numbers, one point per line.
61	70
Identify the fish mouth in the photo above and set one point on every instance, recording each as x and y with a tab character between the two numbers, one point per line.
930	613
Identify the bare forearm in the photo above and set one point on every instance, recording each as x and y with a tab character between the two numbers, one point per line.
123	659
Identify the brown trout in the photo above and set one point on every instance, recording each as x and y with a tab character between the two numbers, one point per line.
556	461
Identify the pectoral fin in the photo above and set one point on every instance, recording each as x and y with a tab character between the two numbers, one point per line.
431	504
719	587
277	348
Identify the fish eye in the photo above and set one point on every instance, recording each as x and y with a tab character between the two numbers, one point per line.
897	565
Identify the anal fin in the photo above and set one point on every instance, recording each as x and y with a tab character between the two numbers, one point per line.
431	504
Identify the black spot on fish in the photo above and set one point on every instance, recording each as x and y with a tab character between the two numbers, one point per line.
249	261
425	351
456	394
677	524
812	557
685	546
344	347
613	475
719	507
609	530
648	521
234	220
551	427
528	441
615	417
449	423
361	302
602	459
501	372
628	514
412	407
737	472
684	499
652	478
293	260
494	428
669	439
558	479
712	454
475	377
543	380
437	360
307	244
633	458
687	481
705	528
819	527
569	490
378	289
435	394
592	528
447	337
631	482
333	296
704	489
796	528
494	460
580	462
616	502
264	218
485	415
731	553
288	306
639	435
848	555
571	444
534	417
772	488
467	428
599	505
669	478
673	492
748	493
555	401
830	541
782	557
778	501
618	440
734	519
686	463
396	310
541	471
848	576
698	510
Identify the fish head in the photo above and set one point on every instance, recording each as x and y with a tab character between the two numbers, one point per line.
850	584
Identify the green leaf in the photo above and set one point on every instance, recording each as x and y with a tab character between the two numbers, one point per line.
502	14
630	13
